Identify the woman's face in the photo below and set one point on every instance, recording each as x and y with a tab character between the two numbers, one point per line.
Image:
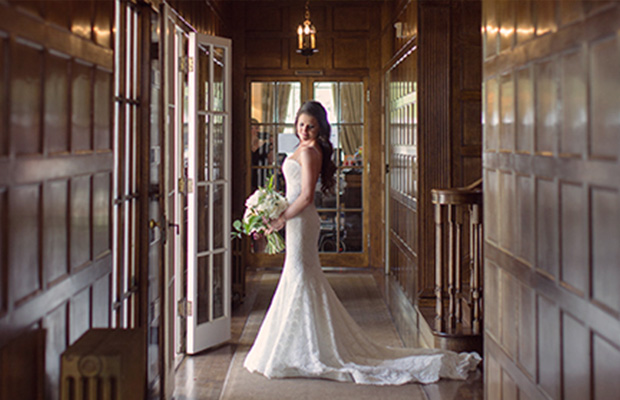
307	128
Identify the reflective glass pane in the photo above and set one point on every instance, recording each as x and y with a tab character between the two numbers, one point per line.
350	143
287	142
351	102
203	217
329	239
338	155
262	95
326	93
218	78
202	140
288	101
219	204
203	77
351	232
351	181
202	308
217	287
218	138
262	145
322	200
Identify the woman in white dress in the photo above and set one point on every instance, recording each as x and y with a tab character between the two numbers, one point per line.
307	332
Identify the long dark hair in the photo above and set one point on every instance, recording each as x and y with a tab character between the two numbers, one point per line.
328	168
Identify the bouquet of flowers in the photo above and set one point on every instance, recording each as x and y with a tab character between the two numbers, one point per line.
262	206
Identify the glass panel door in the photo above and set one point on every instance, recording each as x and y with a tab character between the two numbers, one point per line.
208	244
341	214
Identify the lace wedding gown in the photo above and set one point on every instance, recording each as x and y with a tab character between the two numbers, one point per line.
307	332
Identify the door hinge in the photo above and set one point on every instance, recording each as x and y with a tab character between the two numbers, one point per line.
184	308
368	95
190	64
190	186
183	63
181	185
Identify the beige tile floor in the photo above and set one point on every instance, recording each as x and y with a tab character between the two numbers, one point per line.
203	376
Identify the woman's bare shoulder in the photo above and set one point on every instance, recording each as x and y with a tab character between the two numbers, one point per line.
310	153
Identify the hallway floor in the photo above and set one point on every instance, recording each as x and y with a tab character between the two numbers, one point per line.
218	373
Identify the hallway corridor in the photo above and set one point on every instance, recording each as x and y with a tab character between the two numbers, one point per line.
219	374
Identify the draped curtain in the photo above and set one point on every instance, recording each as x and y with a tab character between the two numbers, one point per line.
351	109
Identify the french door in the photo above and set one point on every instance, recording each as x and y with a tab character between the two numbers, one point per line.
343	239
208	192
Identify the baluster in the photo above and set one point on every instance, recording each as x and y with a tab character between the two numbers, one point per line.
439	322
451	265
476	235
457	263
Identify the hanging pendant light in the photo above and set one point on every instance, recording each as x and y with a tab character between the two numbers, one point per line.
306	36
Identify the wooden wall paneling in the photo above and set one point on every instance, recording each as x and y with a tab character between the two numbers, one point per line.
606	361
605	225
56	104
55	231
26	61
506	113
526	324
434	130
55	325
570	11
574	234
82	18
22	374
80	221
101	217
350	53
102	23
490	28
261	16
524	126
524	26
350	18
4	96
4	224
506	24
545	17
548	346
507	211
604	60
102	110
547	224
59	13
79	314
547	107
576	347
46	94
81	106
564	253
24	217
263	53
574	101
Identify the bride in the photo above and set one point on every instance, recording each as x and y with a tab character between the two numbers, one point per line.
307	332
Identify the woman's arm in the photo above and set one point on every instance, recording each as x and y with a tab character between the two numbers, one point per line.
310	161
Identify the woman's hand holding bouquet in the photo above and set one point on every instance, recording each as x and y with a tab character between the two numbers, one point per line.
264	205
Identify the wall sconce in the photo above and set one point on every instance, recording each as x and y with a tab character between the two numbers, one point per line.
306	36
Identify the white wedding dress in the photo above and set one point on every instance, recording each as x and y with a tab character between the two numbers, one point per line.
307	332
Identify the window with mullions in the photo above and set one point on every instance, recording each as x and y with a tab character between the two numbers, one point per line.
272	129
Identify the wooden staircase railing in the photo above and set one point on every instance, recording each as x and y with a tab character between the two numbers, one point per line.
458	257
